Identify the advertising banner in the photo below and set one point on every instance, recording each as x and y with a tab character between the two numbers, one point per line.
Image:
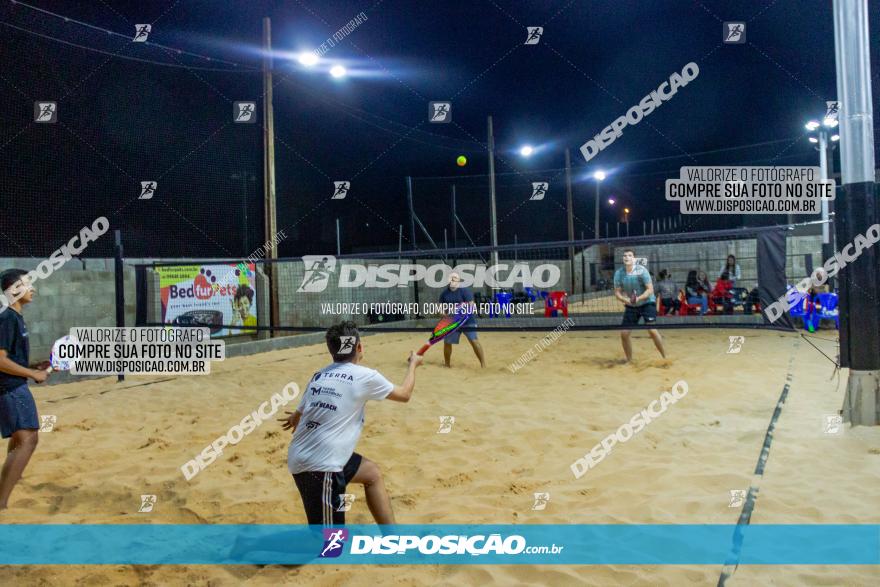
218	296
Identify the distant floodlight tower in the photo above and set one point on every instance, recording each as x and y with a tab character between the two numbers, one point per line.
599	176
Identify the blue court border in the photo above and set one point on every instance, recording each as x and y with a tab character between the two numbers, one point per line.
584	544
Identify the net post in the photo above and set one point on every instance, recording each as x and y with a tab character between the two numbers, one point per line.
119	275
569	212
861	331
492	210
412	213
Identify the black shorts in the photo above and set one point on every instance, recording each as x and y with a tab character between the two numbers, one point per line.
322	492
632	314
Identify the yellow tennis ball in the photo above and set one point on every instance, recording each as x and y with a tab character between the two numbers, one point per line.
462	160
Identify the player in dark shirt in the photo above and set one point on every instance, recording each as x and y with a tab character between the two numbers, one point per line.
18	411
455	294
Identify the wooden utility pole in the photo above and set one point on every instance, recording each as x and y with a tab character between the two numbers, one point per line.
270	221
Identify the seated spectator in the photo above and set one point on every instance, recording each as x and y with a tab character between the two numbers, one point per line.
667	293
721	294
752	300
703	279
696	292
732	269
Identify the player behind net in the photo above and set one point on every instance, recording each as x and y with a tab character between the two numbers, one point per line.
633	287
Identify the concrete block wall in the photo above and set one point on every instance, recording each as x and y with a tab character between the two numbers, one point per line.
82	293
797	249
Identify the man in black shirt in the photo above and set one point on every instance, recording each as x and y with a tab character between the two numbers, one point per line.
18	411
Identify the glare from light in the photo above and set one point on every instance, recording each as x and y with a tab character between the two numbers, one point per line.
307	59
600	175
814	140
626	210
812	125
835	137
830	122
337	71
526	151
611	201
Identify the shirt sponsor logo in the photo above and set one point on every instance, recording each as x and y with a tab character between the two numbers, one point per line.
323	406
324	391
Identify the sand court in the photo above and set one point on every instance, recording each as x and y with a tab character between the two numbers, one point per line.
514	435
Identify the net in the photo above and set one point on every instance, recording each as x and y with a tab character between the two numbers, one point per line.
533	286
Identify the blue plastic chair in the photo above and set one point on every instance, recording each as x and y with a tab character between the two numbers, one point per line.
827	310
797	310
503	298
531	292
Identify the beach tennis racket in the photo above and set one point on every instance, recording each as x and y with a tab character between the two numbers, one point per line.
55	362
446	326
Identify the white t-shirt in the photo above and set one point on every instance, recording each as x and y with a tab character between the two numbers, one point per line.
332	409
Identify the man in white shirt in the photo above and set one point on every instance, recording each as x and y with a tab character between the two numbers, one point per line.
327	425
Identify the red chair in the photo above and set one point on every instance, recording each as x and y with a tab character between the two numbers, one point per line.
721	296
686	309
557	301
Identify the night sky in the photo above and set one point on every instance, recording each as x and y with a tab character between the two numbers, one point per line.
126	120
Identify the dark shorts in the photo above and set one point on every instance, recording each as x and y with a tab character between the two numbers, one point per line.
18	411
632	314
322	492
469	331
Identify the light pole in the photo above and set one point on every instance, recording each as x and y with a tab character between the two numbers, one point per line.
626	219
824	132
493	222
599	176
